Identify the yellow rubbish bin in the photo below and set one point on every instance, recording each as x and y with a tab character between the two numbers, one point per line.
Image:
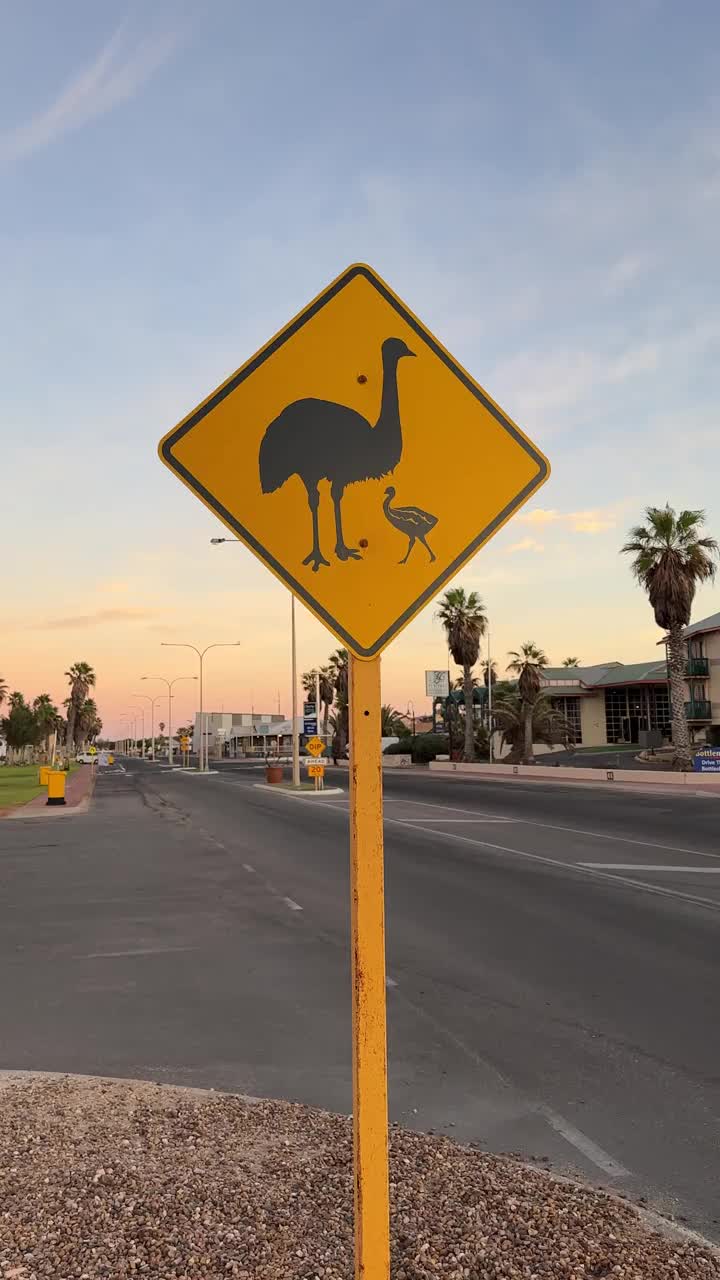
111	758
45	771
56	788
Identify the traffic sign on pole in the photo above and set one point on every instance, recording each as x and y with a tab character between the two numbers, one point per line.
323	454
315	746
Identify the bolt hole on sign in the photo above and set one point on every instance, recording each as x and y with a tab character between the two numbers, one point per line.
324	454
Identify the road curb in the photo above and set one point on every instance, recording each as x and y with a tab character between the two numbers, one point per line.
298	795
38	808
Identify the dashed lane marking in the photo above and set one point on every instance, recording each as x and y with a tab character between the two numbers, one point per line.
582	1143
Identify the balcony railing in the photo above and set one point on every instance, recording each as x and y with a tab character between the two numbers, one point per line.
698	710
697	667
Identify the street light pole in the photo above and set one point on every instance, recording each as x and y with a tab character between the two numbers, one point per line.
295	734
490	723
229	644
169	684
141	711
152	702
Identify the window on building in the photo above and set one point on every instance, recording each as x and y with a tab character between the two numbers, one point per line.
570	708
660	717
615	713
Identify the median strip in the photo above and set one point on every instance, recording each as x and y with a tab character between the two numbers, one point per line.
113	1178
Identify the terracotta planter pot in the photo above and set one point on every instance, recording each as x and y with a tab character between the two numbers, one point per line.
274	773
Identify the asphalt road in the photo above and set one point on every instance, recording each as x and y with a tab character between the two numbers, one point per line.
552	959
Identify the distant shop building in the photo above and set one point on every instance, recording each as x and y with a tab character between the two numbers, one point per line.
229	732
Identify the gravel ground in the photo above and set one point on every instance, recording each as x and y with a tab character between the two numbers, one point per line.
107	1179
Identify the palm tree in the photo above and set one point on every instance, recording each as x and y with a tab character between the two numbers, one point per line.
47	717
465	622
88	723
527	664
307	681
3	691
489	672
327	695
671	559
81	677
547	724
392	724
339	667
570	662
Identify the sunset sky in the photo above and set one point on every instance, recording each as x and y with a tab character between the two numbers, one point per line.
539	181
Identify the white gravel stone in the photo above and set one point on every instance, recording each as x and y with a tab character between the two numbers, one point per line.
115	1180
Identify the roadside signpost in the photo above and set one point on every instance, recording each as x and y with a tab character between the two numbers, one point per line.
310	724
437	684
315	746
321	454
317	771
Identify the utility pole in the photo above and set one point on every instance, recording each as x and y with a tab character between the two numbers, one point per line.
295	734
166	644
490	723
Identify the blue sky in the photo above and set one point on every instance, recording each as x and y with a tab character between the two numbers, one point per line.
541	183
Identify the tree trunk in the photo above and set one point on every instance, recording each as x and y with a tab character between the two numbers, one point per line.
469	752
528	756
326	713
682	755
70	728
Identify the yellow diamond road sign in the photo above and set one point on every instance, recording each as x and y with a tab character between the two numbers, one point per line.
315	747
357	459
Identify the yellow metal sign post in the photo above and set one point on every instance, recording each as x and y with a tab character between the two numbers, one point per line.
322	454
367	888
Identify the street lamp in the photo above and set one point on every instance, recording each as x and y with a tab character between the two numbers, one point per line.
169	684
227	644
293	663
490	693
141	711
411	712
152	701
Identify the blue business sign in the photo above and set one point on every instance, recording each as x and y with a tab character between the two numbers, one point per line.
310	724
707	760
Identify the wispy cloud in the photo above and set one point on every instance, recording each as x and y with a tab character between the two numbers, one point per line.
113	77
525	544
594	520
75	622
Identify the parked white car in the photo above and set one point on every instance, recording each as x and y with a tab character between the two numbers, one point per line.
86	758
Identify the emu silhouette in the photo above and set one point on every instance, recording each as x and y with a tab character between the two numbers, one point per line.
412	521
320	440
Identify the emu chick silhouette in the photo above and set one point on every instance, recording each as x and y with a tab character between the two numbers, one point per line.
320	440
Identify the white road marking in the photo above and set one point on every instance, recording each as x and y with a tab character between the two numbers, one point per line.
138	951
642	866
578	831
582	1143
410	822
294	906
247	867
555	862
568	866
390	982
